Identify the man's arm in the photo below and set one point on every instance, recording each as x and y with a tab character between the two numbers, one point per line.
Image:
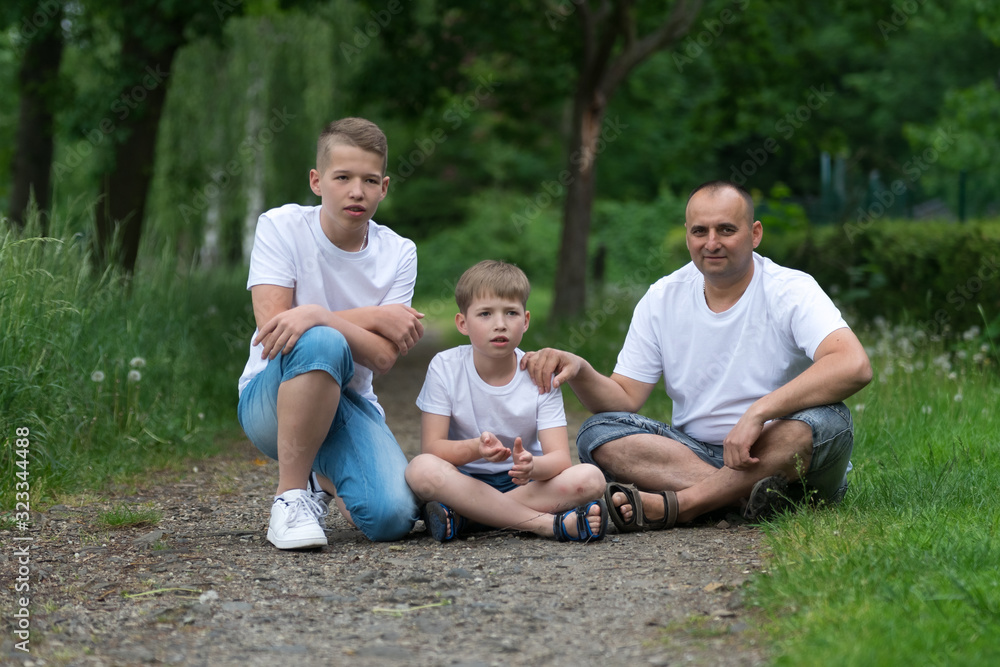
280	326
840	368
597	392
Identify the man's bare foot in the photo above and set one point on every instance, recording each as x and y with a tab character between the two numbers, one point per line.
649	501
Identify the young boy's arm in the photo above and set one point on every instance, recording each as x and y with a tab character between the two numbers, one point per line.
434	440
554	459
280	326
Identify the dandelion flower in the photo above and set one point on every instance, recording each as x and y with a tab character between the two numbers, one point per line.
958	397
97	376
134	376
860	407
926	409
137	362
201	415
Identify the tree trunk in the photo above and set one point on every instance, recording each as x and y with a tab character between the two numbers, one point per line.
571	278
32	164
121	205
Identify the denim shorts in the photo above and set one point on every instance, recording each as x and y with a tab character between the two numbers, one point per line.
832	430
360	455
501	481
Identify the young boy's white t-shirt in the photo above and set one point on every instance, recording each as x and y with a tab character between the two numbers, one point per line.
715	365
291	250
454	389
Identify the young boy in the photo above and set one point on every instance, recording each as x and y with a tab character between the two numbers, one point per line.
331	293
495	451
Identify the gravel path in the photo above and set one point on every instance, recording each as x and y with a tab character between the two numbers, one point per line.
203	587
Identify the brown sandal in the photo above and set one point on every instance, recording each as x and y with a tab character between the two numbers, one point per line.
639	522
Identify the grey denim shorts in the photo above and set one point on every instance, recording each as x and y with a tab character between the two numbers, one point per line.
833	442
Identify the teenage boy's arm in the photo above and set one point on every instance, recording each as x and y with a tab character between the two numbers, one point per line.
434	440
280	326
597	392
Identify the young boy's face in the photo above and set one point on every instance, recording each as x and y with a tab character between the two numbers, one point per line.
351	186
494	326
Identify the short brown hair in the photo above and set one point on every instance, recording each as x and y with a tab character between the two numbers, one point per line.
357	132
492	277
712	187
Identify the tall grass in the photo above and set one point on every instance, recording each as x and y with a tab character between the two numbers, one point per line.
906	570
112	376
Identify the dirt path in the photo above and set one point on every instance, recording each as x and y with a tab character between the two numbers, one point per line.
204	587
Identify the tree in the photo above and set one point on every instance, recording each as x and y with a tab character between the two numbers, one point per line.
39	33
611	49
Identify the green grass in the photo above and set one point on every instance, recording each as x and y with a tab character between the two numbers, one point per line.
111	377
905	571
124	516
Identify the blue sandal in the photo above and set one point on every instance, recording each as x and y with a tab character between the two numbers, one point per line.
442	522
583	530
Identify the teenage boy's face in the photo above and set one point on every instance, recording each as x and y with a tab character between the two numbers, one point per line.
351	186
494	326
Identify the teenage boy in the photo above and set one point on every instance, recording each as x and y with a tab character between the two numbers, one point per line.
495	451
331	293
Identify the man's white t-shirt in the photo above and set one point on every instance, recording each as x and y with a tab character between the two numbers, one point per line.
715	365
291	250
454	389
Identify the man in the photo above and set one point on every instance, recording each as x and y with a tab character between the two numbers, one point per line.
757	361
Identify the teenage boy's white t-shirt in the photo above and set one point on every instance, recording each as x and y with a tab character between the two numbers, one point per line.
454	389
291	250
715	365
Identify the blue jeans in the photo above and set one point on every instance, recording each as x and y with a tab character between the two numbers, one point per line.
359	455
832	430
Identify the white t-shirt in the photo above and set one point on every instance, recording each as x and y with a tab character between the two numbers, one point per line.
454	389
715	365
291	250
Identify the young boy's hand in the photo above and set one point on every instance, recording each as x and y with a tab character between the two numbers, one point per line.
524	464
491	449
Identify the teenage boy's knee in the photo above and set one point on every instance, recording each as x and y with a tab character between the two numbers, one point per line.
327	345
394	520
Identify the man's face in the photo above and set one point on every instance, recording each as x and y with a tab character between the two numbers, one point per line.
720	235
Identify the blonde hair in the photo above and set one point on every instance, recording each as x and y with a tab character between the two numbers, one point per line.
357	132
495	278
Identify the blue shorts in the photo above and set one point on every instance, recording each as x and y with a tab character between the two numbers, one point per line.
500	481
833	442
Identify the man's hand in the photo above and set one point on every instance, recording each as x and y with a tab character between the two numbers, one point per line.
541	366
400	324
491	449
524	464
736	447
282	331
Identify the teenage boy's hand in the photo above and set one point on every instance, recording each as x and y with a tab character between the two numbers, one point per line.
524	464
284	329
491	449
400	324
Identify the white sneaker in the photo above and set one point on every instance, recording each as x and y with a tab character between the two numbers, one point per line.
323	497
294	523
